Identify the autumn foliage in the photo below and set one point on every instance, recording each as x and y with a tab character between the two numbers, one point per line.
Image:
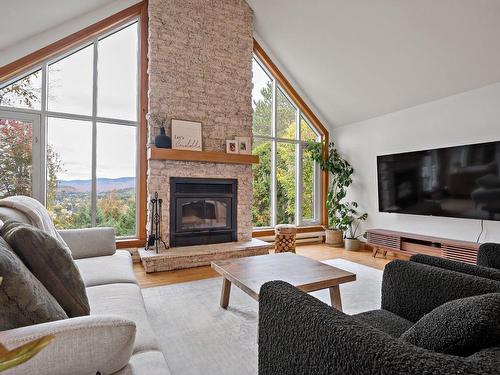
15	158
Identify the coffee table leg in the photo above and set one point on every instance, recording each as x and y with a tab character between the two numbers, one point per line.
335	297
226	291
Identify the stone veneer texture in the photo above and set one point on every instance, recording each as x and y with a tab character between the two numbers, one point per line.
200	69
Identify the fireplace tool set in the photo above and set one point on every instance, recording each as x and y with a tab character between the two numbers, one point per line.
155	239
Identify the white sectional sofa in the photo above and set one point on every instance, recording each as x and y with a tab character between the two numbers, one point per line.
116	338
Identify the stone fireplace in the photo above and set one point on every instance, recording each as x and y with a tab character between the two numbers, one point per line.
200	69
162	172
202	211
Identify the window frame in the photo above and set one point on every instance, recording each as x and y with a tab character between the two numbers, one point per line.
299	152
41	59
36	145
302	111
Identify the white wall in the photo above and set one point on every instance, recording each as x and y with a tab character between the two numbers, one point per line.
470	117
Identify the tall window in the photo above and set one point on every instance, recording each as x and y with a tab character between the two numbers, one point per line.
68	133
286	183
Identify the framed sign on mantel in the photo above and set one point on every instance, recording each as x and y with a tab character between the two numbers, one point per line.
186	135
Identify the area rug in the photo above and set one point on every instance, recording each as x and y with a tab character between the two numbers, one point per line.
199	337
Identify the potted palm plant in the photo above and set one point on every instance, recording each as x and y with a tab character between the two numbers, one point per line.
352	236
340	172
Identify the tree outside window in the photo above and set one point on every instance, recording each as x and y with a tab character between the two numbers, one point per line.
285	167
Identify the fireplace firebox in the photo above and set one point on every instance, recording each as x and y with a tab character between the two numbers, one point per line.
202	211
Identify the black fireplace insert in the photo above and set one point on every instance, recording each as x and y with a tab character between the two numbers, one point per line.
202	211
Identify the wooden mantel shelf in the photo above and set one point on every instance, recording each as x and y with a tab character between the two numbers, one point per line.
155	153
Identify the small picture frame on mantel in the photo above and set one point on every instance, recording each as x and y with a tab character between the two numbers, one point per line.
244	145
186	135
232	147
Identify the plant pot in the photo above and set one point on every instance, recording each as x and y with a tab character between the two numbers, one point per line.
352	244
334	237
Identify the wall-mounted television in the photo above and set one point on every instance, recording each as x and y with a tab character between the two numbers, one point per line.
461	181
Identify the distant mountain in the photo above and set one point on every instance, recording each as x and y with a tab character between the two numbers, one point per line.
103	185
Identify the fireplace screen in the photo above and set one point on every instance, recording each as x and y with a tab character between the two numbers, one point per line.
202	211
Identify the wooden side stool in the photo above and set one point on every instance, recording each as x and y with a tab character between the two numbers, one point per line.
285	238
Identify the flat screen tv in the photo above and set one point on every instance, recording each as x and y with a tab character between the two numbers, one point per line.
461	181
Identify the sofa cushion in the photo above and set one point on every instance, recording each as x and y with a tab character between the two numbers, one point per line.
23	299
151	362
385	321
125	301
460	327
82	346
90	242
109	269
51	262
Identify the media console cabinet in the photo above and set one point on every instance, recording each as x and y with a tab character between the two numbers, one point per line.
410	244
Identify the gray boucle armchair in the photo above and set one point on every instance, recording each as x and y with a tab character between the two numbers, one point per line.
299	334
489	255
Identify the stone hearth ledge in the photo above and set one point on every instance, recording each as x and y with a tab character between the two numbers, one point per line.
200	255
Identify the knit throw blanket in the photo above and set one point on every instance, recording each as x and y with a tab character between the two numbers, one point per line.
36	213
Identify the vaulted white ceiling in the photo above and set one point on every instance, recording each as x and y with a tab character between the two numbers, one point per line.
22	19
28	25
353	59
358	59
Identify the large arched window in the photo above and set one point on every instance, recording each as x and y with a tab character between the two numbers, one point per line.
286	183
69	132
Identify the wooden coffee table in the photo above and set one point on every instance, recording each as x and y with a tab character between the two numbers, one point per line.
306	274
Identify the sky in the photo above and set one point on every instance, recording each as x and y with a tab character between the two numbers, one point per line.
259	80
115	149
70	79
70	91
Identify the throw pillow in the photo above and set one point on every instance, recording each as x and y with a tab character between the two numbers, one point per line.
459	327
51	262
23	299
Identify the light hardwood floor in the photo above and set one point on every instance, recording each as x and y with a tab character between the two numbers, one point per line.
316	251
